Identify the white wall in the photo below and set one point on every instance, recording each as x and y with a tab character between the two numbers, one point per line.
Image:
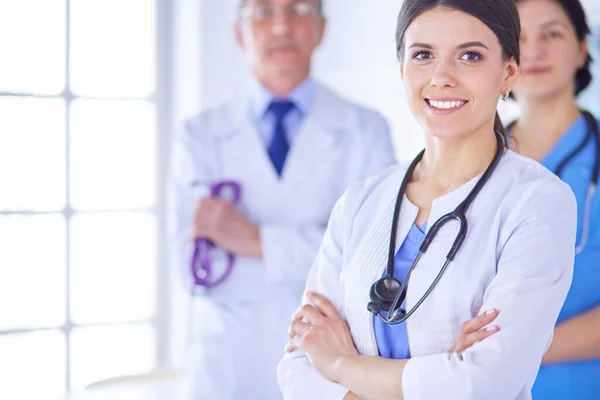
358	59
590	98
591	6
223	63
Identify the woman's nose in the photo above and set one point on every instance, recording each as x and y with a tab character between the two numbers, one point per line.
443	76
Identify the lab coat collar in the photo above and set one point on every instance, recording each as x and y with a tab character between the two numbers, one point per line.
260	98
440	206
325	112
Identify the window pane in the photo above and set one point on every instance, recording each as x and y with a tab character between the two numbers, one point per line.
112	154
108	351
112	47
113	275
32	154
32	46
33	365
32	271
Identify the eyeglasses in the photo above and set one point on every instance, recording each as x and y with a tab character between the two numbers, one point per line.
265	12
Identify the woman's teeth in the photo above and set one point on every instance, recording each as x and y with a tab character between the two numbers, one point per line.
446	105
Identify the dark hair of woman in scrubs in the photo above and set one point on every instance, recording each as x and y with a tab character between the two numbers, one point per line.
554	70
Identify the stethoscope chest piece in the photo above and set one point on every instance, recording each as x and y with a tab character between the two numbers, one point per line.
384	292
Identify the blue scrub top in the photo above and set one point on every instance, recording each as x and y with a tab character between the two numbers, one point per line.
576	380
392	340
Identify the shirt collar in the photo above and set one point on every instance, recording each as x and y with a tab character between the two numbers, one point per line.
303	97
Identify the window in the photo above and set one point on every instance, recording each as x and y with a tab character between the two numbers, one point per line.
80	193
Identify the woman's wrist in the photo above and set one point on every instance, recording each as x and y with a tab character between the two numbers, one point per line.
343	366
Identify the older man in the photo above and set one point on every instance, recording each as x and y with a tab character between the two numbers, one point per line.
293	146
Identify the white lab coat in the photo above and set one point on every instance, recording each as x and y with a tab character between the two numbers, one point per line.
242	325
517	257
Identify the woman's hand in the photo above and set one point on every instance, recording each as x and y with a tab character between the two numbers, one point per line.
322	334
472	331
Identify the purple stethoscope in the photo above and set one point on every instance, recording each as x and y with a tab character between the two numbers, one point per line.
201	265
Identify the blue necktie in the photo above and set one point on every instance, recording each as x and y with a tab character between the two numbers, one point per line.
279	146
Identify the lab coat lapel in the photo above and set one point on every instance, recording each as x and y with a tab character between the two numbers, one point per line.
433	315
245	156
370	263
311	161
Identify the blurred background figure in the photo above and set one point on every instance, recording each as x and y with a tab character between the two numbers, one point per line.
291	147
556	131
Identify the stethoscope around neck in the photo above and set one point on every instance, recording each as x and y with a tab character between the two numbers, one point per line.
593	133
388	293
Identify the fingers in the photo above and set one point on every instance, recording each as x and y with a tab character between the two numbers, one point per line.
479	322
298	328
473	331
289	347
209	206
308	313
473	338
323	304
209	211
202	218
292	345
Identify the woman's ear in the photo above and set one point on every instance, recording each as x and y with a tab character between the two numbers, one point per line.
583	53
511	75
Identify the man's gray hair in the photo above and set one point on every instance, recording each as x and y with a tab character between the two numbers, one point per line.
242	3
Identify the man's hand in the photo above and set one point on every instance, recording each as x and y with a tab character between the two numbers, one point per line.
220	222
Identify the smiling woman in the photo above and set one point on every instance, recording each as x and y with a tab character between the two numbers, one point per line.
472	226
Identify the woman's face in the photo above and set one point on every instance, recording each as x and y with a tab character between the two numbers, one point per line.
550	51
454	72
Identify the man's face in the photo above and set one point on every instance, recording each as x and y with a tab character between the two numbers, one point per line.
280	36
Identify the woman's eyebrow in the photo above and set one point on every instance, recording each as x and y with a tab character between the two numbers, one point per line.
472	44
551	23
462	46
422	45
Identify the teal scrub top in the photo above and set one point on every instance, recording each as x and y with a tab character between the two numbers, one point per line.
576	380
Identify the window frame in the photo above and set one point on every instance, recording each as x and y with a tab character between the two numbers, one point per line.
161	99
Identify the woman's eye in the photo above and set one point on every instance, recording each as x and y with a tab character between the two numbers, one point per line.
421	55
553	34
471	56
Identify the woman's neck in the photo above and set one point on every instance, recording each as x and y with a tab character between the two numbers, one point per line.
448	164
543	123
451	162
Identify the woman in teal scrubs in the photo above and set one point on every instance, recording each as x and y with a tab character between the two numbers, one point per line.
554	69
